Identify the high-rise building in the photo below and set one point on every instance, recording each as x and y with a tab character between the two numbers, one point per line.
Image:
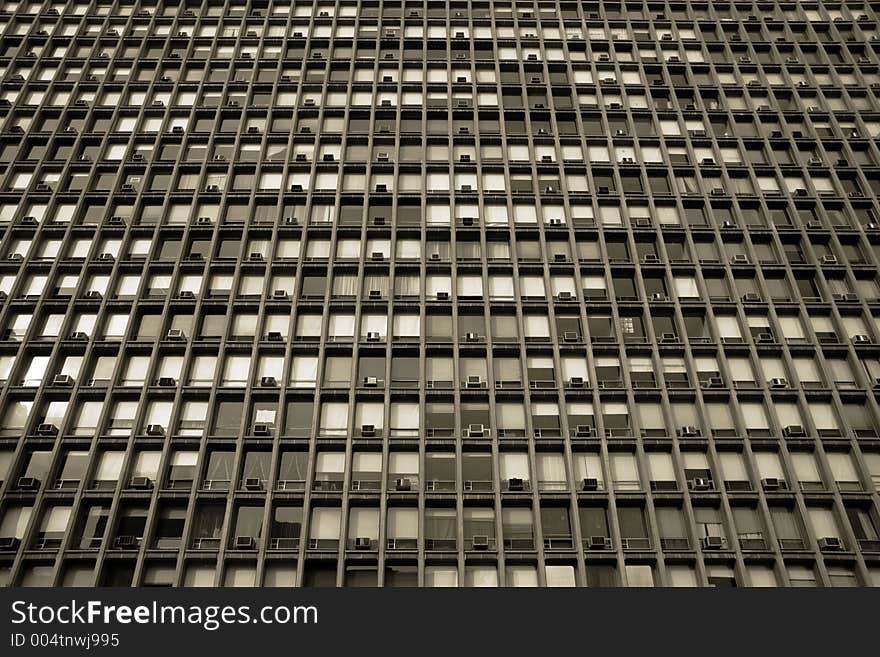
430	293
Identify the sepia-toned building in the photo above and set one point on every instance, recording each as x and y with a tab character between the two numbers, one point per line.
419	293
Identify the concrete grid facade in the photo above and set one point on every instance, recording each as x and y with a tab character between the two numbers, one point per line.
426	293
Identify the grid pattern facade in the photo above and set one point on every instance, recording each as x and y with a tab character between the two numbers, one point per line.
425	293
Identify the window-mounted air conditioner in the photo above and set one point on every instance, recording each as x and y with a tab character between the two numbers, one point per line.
770	483
244	543
27	483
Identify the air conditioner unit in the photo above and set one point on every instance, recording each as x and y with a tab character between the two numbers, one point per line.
155	430
47	429
268	381
368	430
140	483
713	543
515	484
175	334
564	296
778	382
576	382
688	432
764	338
700	483
590	484
861	339
362	543
480	542
770	483
474	381
186	294
597	543
442	296
793	430
471	337
717	191
244	543
372	336
829	260
28	483
570	336
166	382
739	259
830	544
9	543
668	337
261	430
62	380
751	297
402	484
274	336
253	483
583	431
126	542
476	431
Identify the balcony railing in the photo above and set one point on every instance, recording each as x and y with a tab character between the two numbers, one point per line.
558	542
440	544
280	543
438	485
673	544
752	541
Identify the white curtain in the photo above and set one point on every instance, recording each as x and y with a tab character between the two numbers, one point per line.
514	465
363	522
110	466
325	523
